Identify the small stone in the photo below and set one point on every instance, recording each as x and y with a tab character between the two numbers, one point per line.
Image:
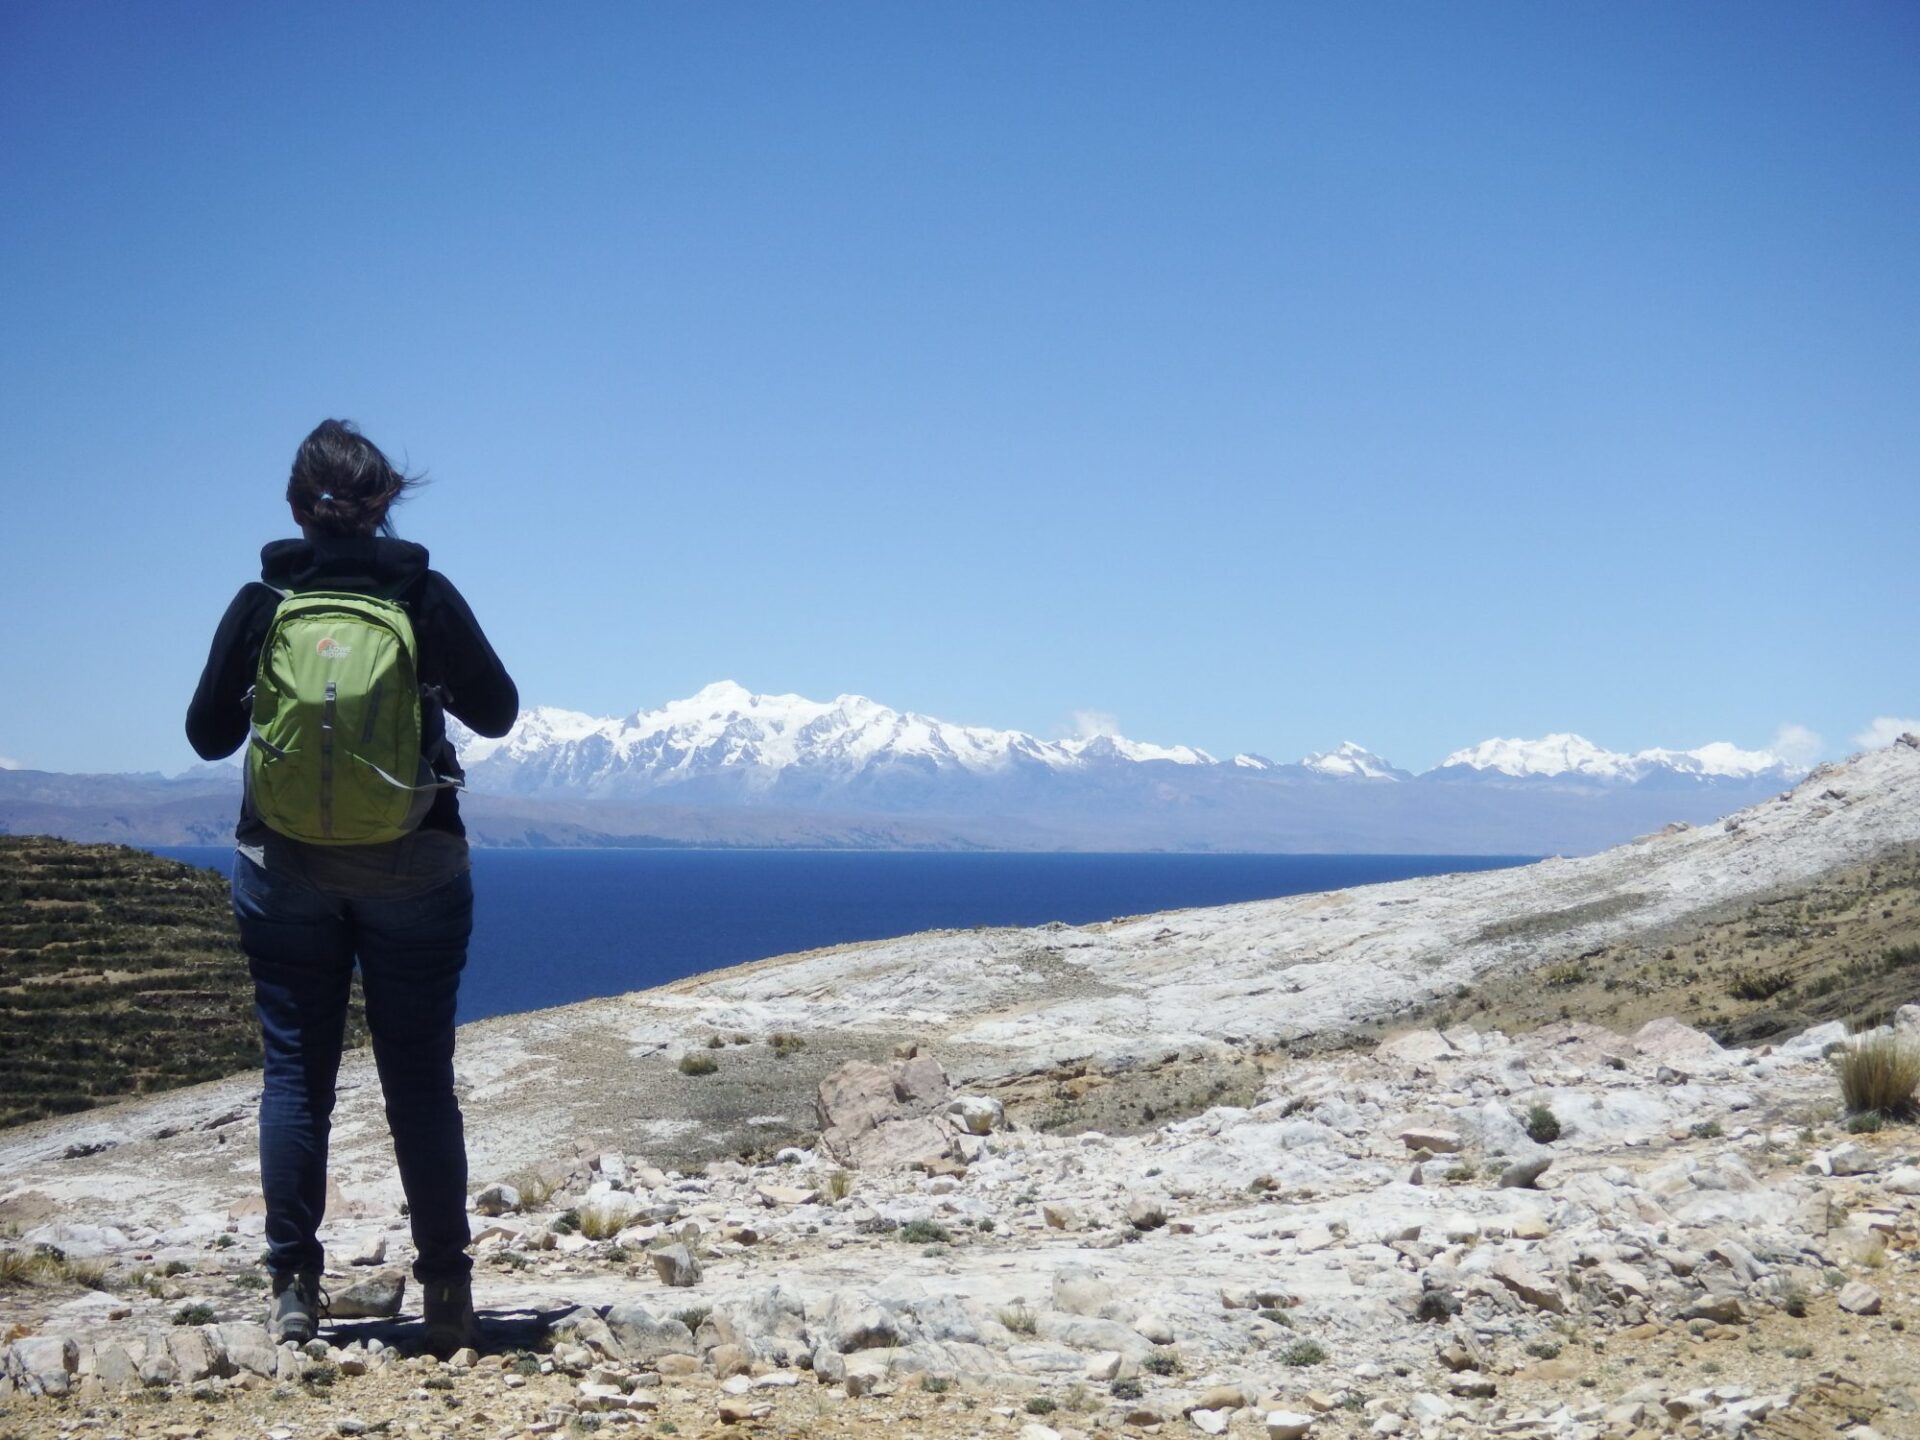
498	1198
1720	1309
675	1265
1210	1422
678	1366
1852	1159
1904	1181
378	1297
1529	1284
464	1359
1155	1329
1060	1216
372	1250
978	1114
1859	1298
1146	1212
1525	1174
350	1425
1427	1137
1288	1425
776	1197
1531	1226
1223	1398
730	1360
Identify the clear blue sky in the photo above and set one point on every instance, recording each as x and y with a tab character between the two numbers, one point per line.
1260	375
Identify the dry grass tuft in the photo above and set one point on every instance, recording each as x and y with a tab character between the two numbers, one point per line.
1879	1075
600	1223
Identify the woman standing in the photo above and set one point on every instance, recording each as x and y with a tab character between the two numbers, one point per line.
327	873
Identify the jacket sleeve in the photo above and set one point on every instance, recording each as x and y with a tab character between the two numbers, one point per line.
217	717
479	692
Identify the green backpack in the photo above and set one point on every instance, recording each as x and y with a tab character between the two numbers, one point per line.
336	722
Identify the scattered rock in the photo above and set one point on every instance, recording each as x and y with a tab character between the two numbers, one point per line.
378	1297
499	1198
1858	1298
675	1265
1146	1212
1851	1158
1529	1284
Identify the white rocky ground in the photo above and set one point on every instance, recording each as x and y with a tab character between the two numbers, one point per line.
1372	1246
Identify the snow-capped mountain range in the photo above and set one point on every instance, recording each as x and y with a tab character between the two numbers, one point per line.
730	768
727	741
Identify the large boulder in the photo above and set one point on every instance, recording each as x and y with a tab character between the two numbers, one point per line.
644	1337
43	1364
886	1116
849	1320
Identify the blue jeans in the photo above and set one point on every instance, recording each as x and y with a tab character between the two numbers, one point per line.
301	944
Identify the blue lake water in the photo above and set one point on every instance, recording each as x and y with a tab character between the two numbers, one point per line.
555	926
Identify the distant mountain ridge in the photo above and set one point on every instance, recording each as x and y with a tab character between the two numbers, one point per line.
726	767
726	736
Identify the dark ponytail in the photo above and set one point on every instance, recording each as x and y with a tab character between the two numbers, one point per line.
342	485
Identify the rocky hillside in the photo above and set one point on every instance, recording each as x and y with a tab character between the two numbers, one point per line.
120	974
1069	1181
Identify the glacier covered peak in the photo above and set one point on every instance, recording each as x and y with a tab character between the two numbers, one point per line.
1352	760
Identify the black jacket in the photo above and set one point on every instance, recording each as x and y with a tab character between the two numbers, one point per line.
455	657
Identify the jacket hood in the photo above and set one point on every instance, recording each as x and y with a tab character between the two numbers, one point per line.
373	565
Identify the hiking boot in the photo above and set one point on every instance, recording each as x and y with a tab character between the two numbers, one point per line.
294	1312
451	1324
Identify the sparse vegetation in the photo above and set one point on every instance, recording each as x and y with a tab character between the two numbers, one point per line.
840	1184
1020	1319
194	1315
599	1222
694	1063
535	1187
1162	1361
924	1232
694	1316
785	1043
1542	1126
1041	1405
1878	1075
1302	1353
935	1384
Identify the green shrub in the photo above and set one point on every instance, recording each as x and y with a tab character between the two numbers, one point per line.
924	1232
1041	1405
694	1063
1543	1128
1302	1353
194	1315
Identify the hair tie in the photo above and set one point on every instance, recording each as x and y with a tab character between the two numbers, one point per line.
326	494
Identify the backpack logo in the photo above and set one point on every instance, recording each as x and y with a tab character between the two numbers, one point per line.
331	649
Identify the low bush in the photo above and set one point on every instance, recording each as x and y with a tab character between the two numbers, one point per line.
1542	1126
1879	1074
694	1063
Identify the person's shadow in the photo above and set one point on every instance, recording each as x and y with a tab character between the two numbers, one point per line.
501	1331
